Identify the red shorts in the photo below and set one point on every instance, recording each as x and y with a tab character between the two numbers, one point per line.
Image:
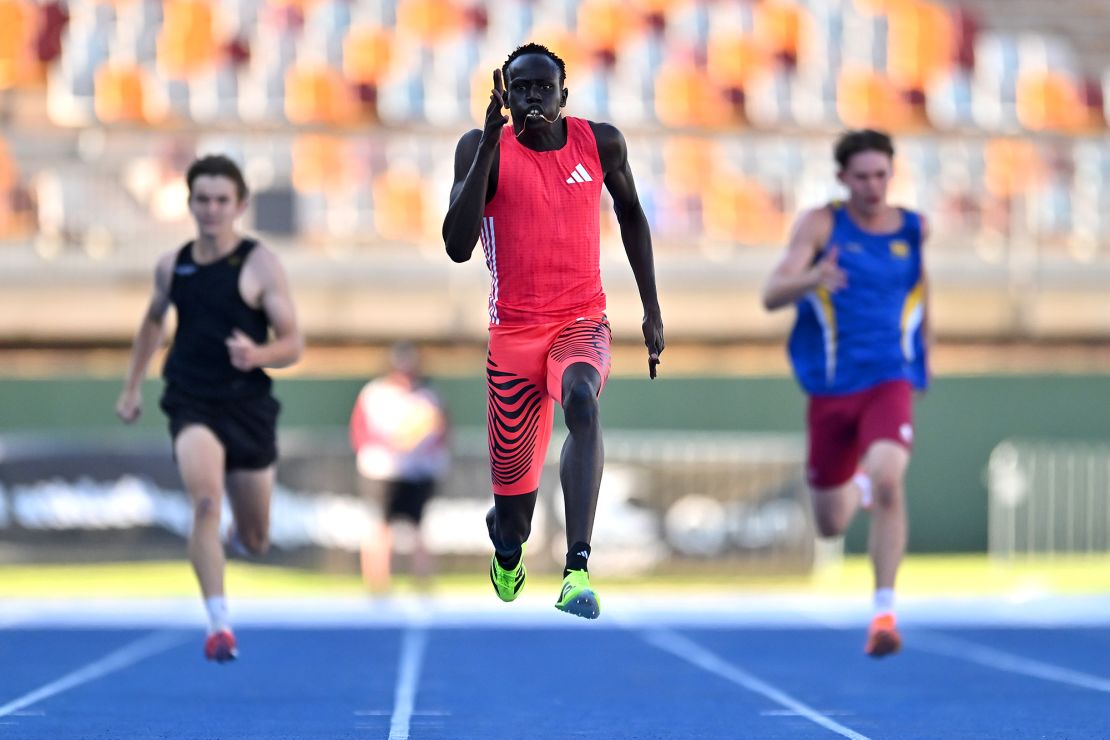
524	377
842	428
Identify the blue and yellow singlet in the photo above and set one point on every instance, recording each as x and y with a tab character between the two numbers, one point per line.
870	331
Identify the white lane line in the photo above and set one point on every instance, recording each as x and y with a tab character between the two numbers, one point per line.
691	652
127	655
408	676
1008	662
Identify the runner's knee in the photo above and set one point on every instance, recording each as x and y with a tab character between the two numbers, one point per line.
580	407
829	524
887	488
255	541
830	514
206	509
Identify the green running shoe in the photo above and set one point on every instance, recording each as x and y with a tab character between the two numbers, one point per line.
577	597
507	583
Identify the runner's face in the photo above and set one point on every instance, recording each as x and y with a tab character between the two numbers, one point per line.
215	205
534	92
867	177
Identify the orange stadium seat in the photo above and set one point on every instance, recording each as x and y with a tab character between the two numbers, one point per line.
1050	101
921	44
366	54
733	60
867	98
737	209
688	164
781	25
1011	166
604	25
118	96
429	20
569	46
187	43
17	24
399	205
686	97
481	83
8	179
321	163
317	94
875	7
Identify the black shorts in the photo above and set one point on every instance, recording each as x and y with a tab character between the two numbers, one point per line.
405	499
247	428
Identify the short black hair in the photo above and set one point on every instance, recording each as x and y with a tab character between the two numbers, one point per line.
217	165
864	140
532	48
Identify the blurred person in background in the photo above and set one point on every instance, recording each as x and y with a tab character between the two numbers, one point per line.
235	316
399	434
531	192
854	272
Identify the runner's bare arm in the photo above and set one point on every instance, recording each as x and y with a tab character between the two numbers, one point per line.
474	158
796	273
635	233
287	343
149	337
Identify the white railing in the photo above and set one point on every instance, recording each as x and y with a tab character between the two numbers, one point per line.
1049	498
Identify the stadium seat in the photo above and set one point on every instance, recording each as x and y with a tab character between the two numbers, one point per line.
948	100
1049	101
429	21
685	97
632	88
399	200
17	24
1012	166
738	209
920	45
321	163
187	43
734	59
315	94
867	98
445	80
119	93
606	25
366	54
781	26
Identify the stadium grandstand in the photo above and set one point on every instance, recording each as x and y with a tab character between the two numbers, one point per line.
725	614
345	115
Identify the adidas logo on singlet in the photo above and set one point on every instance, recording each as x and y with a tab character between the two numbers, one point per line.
579	174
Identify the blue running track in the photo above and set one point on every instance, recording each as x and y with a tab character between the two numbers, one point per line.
717	669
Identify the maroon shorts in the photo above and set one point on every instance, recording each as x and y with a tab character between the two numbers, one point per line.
842	428
524	377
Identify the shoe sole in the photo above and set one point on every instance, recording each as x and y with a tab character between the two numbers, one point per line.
883	644
583	605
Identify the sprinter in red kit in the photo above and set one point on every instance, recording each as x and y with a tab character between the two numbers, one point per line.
530	192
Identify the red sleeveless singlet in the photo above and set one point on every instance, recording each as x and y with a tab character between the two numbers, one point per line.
541	231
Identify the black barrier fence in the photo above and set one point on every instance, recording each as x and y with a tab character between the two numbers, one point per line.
677	502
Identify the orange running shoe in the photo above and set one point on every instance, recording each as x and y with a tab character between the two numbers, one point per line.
220	647
882	637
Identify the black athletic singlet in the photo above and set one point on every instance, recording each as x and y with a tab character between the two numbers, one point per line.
209	306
